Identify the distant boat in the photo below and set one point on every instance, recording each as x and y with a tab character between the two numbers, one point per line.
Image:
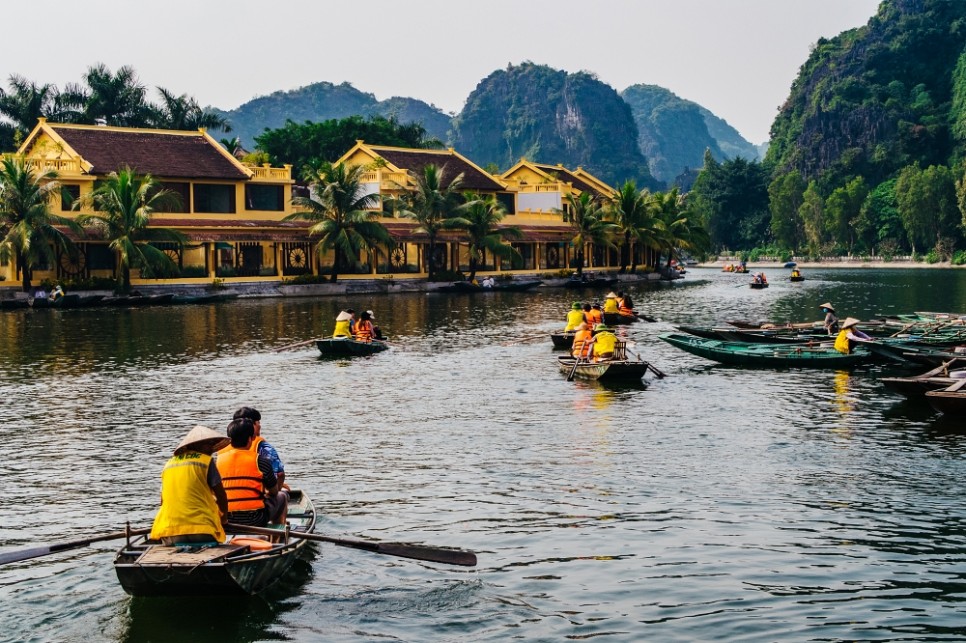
790	264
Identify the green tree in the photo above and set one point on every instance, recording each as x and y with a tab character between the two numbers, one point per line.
587	222
24	102
927	204
842	209
479	219
183	113
879	218
123	204
431	202
27	225
732	198
812	213
117	97
340	210
678	229
634	220
784	200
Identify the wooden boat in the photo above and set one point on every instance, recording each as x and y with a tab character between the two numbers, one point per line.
345	347
504	286
938	378
246	564
584	282
758	285
766	355
605	370
13	303
617	319
563	340
950	400
204	299
798	278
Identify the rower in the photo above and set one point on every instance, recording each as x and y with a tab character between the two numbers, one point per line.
849	336
604	342
610	303
343	324
831	323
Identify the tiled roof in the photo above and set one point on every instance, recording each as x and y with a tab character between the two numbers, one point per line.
156	153
415	161
567	176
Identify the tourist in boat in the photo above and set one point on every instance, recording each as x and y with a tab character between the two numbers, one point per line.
604	343
376	331
610	303
849	336
831	323
795	273
193	500
488	282
261	445
575	317
583	341
596	316
56	293
254	495
40	293
364	330
625	305
343	325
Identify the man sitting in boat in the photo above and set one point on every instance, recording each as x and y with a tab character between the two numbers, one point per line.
583	340
595	317
849	336
193	500
831	323
604	343
260	445
610	303
796	273
575	317
364	330
489	282
343	325
254	495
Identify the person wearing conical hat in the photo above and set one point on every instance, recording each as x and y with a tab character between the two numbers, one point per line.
831	323
610	303
575	317
849	336
343	325
193	500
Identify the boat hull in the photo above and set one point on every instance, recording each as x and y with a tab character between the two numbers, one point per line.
766	355
605	371
563	341
948	402
349	347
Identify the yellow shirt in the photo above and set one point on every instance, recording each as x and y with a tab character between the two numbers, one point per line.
610	305
342	329
842	342
187	502
574	319
605	343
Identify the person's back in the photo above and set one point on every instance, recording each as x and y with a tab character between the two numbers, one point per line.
626	305
610	304
582	339
596	316
363	331
250	484
342	325
575	317
604	343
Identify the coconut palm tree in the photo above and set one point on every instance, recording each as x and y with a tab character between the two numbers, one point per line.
479	218
342	213
24	102
183	113
27	225
123	204
631	212
117	97
587	223
432	203
679	228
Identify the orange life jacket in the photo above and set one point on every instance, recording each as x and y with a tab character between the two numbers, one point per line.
581	337
594	317
241	478
363	331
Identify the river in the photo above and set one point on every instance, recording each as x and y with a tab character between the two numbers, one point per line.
717	503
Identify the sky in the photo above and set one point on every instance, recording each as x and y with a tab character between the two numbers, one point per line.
737	58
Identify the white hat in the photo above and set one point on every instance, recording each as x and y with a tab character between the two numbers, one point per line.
372	315
611	295
201	437
849	322
343	316
827	305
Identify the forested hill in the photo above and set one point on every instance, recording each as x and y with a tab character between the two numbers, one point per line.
674	133
323	101
878	98
551	116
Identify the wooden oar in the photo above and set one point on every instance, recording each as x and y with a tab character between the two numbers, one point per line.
37	552
528	338
403	550
291	346
573	371
650	366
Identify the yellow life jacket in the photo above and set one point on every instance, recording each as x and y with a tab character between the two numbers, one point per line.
242	479
605	343
187	503
610	305
574	319
842	343
342	329
580	338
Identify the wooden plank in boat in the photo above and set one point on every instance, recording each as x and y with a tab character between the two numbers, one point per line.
163	555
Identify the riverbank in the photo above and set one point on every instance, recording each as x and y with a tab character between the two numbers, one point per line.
856	263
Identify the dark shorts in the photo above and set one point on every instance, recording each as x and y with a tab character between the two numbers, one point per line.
276	505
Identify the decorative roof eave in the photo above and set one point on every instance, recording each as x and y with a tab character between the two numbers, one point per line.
42	127
361	146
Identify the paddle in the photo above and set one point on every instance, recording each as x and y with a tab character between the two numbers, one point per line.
37	552
403	550
650	366
528	338
291	346
573	371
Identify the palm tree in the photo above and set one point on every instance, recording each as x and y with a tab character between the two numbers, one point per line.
631	212
431	203
123	205
26	221
24	102
588	225
341	212
183	113
117	97
479	218
679	229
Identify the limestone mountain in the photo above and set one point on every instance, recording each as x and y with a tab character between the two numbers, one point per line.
551	116
875	99
323	101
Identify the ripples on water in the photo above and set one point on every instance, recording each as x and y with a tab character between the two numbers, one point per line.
718	503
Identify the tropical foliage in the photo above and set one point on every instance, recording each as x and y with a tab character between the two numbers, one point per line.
479	219
123	204
635	223
27	225
432	202
341	212
588	225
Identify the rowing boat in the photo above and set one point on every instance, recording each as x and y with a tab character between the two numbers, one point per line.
245	564
917	386
563	339
502	286
346	347
766	355
604	370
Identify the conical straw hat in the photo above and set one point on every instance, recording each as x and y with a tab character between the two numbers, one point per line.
201	437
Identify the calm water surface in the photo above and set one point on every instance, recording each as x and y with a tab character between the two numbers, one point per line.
718	503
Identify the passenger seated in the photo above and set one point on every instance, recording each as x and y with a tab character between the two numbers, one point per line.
254	497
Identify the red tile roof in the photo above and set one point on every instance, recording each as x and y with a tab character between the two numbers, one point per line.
567	176
451	164
155	153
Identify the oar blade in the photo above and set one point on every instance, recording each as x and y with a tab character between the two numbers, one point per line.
24	554
431	554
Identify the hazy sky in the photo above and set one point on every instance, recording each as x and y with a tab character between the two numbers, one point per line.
736	57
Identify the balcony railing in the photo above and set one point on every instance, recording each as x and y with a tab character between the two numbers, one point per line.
387	181
268	173
61	166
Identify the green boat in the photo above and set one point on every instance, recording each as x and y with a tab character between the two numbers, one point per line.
766	355
345	347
